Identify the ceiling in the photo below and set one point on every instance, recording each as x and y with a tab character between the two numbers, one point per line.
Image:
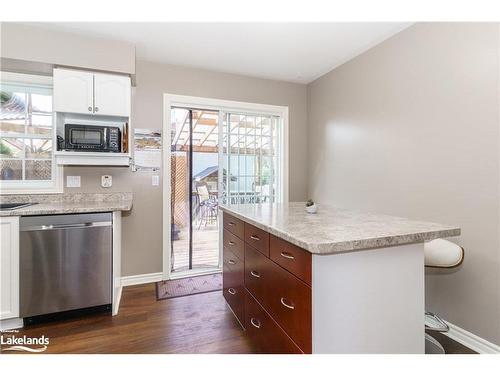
295	52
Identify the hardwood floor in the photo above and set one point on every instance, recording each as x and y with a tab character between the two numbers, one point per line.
450	345
193	324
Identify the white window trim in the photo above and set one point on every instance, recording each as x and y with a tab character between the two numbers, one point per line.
34	187
172	100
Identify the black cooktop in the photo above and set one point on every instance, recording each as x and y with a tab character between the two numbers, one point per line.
14	206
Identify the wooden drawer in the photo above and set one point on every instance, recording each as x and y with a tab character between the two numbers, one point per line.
234	225
289	301
291	257
284	296
257	272
235	298
233	243
266	336
257	238
233	272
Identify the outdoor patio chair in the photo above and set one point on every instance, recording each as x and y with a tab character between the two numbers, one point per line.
208	204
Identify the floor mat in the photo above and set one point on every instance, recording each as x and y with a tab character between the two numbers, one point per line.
188	286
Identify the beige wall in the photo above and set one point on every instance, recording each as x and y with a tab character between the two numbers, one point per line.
27	43
142	232
411	128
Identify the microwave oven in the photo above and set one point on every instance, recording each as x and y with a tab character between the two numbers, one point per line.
92	138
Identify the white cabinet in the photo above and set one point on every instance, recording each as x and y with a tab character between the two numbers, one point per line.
9	267
91	93
73	91
111	95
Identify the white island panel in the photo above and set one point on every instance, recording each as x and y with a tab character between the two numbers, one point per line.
369	301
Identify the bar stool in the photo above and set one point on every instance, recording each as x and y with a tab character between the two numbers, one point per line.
439	253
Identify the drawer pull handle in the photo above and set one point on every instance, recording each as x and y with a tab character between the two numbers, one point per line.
230	261
231	223
291	307
230	243
286	255
254	238
255	322
254	274
231	291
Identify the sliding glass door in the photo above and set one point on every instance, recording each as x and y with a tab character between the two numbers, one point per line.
217	156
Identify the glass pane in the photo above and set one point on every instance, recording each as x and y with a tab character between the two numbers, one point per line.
40	125
41	103
42	131
13	104
11	148
38	170
180	215
11	170
253	158
194	186
38	148
15	127
13	111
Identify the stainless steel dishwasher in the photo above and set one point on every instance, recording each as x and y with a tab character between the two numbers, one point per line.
65	262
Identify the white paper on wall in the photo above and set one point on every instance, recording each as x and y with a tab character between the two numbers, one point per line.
147	149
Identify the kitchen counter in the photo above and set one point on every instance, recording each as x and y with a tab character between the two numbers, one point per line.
333	230
48	204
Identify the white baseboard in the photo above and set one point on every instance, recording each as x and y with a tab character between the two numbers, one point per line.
116	302
8	324
471	341
142	279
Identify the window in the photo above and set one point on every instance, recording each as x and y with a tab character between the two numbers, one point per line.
27	135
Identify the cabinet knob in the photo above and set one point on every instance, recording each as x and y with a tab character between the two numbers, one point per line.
96	109
90	109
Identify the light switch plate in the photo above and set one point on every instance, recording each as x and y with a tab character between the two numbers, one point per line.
106	181
155	180
73	181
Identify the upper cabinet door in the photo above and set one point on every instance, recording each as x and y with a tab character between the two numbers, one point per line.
112	95
73	91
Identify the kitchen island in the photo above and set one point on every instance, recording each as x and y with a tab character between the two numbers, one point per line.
339	281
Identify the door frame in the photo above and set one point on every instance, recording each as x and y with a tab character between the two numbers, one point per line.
173	100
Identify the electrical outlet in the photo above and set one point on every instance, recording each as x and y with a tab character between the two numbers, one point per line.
73	181
155	180
106	181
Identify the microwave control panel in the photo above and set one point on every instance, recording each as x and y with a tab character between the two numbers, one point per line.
114	139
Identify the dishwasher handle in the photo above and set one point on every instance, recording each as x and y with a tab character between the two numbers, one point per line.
66	226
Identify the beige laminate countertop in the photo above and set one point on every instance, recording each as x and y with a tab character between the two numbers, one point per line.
68	203
334	230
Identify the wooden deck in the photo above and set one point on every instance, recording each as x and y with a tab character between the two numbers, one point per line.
205	249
